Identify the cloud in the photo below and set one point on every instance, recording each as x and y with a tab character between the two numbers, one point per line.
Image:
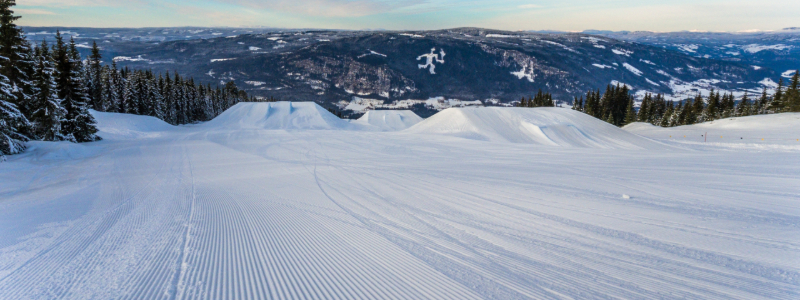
33	11
329	8
529	6
62	3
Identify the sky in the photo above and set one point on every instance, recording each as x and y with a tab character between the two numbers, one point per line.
565	15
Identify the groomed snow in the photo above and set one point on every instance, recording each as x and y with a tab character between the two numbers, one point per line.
243	209
777	132
389	120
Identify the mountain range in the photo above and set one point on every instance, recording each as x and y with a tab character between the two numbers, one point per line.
429	70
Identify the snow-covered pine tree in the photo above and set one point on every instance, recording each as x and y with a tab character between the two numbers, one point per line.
94	81
205	104
17	62
776	105
120	84
78	125
713	108
180	100
85	126
169	99
674	119
195	110
141	99
729	107
106	90
667	115
47	113
130	95
11	119
155	99
758	106
743	109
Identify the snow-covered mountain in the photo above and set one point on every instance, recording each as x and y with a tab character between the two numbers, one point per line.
424	70
777	50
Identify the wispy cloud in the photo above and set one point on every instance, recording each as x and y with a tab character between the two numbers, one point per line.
329	8
73	3
657	15
529	6
33	11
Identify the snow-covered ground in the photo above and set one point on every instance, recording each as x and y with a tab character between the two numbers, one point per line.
779	132
279	201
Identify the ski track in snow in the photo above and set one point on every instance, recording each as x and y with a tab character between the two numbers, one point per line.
203	212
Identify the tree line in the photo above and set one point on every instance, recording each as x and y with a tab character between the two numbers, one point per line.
541	99
46	91
616	105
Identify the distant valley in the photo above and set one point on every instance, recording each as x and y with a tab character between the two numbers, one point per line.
430	70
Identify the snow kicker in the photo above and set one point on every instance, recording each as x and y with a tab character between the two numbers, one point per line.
279	115
544	126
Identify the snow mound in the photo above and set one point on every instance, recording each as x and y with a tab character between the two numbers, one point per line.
127	126
389	120
280	115
545	126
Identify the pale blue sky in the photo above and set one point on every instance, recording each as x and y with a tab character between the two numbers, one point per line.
569	15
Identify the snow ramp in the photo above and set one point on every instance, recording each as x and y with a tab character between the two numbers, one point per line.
543	126
280	115
389	120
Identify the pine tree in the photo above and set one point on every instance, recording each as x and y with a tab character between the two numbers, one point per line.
11	119
743	109
610	119
78	125
131	94
47	111
17	62
713	108
120	84
683	113
674	119
667	116
630	116
792	102
776	105
94	83
589	106
644	109
155	100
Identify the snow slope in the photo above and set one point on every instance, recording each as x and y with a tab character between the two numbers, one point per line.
543	126
779	131
279	115
389	120
127	126
232	211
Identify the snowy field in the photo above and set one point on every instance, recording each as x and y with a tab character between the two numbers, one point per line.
285	201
